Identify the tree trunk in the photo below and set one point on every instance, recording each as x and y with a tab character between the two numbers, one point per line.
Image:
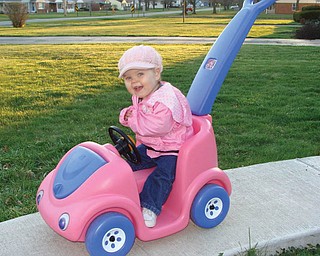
214	6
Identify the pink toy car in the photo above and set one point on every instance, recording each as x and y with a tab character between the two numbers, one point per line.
93	195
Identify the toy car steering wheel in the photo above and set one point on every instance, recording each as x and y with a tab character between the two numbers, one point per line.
124	144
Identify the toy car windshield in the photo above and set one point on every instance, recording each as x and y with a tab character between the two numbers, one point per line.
75	169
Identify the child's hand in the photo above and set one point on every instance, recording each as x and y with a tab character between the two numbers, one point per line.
127	115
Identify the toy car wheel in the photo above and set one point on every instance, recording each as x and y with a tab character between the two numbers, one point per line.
110	234
210	206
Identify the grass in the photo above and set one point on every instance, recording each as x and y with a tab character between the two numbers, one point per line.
307	251
103	13
310	250
97	14
54	97
203	24
256	250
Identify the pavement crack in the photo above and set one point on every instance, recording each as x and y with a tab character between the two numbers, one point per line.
301	160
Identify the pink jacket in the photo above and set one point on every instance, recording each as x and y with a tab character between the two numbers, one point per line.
162	121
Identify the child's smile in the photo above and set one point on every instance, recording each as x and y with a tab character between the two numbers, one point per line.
142	83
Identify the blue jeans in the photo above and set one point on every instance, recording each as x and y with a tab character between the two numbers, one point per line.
159	183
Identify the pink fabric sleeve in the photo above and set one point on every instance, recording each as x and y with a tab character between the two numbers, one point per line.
155	122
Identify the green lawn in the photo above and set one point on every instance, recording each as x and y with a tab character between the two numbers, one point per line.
56	96
100	13
202	24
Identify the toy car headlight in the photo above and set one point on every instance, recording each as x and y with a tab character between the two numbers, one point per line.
39	196
64	221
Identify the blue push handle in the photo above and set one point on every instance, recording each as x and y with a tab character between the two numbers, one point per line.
216	64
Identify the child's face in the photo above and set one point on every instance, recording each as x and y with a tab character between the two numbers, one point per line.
142	82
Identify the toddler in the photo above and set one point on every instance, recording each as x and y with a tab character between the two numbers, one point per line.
162	121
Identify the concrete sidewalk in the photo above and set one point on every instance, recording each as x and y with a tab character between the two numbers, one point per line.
278	203
145	39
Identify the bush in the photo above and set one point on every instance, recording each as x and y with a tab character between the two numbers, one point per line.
297	16
310	12
310	30
310	15
17	13
311	8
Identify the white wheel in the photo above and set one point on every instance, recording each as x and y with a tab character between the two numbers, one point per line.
213	208
110	234
113	240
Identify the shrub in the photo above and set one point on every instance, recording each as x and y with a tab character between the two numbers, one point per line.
17	13
310	12
310	30
310	8
297	16
310	15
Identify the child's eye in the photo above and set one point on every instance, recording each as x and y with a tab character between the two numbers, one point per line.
140	74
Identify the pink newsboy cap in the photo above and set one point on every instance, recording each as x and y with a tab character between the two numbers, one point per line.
140	57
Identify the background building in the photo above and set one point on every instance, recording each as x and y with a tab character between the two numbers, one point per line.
289	6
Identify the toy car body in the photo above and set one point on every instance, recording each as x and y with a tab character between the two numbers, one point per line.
93	189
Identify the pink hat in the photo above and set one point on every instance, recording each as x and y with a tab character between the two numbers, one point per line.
139	57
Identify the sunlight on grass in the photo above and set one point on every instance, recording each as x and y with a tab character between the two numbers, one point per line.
273	22
55	96
59	76
194	26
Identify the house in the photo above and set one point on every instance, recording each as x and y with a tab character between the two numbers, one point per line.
33	5
289	6
46	6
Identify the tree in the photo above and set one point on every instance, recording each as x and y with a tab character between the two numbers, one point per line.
214	6
193	2
297	5
17	13
166	3
154	2
226	4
